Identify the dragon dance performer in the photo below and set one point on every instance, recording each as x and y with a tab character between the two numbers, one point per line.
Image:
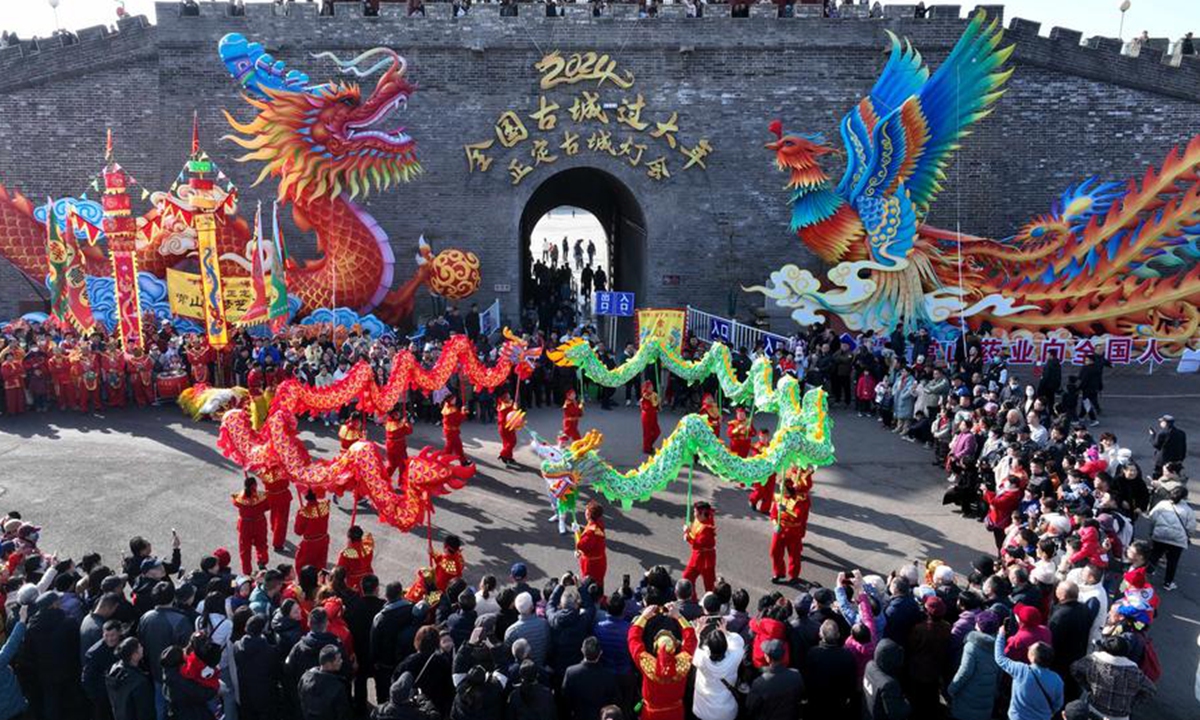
199	355
590	545
357	556
257	380
279	503
86	370
141	376
505	407
791	523
352	430
649	404
564	494
762	495
572	411
711	413
449	563
701	534
61	381
396	430
665	672
112	366
12	369
312	525
252	524
452	420
37	376
741	431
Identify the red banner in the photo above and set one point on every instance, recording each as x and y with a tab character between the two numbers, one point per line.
129	317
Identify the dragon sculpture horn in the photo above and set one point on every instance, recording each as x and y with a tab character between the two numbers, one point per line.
351	66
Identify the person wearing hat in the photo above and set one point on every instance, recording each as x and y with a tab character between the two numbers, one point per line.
141	376
396	430
790	516
701	535
741	432
61	383
883	697
452	420
929	645
1030	631
972	690
572	413
252	508
357	557
665	670
519	574
590	545
51	657
1170	444
85	369
763	494
12	372
649	407
312	525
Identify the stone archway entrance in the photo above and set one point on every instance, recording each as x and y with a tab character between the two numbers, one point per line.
613	205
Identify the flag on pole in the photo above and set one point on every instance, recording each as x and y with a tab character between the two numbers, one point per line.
257	312
278	310
489	320
56	259
77	308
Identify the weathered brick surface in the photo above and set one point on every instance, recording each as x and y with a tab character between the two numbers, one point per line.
1070	111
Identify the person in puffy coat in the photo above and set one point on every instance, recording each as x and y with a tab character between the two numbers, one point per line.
972	691
130	692
186	699
403	704
716	663
883	698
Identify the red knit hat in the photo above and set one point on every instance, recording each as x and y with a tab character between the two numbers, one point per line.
223	557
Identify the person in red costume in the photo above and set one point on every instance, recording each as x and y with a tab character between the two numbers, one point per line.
590	545
449	563
452	420
141	376
357	556
396	430
712	413
312	525
505	407
335	611
791	523
572	412
763	495
252	524
199	355
61	382
741	432
352	430
279	503
12	370
665	671
701	534
649	405
86	370
37	377
256	380
112	365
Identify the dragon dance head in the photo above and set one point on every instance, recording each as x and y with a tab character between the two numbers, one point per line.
322	140
564	469
518	351
798	154
432	473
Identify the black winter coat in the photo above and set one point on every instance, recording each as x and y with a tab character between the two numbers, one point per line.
883	698
130	692
387	627
97	661
324	696
259	669
186	699
775	695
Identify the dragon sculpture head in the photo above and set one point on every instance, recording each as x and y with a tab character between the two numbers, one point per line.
799	154
565	468
322	140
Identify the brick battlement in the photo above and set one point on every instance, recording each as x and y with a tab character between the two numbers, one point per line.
1063	50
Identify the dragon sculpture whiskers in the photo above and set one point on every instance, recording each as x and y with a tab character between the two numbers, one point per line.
326	145
1108	258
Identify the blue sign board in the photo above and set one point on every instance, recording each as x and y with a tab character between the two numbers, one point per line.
720	330
773	344
618	304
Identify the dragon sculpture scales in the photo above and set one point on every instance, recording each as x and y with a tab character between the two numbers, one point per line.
803	437
1108	258
327	145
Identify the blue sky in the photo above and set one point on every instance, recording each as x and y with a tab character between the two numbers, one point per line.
1169	18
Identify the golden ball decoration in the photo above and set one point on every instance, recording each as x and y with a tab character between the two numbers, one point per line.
455	274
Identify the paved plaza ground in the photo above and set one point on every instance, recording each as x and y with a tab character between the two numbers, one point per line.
93	482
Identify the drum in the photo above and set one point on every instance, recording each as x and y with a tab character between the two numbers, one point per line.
169	386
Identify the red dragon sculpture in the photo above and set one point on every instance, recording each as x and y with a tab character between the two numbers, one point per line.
326	145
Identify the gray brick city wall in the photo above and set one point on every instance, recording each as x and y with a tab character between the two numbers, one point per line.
1070	111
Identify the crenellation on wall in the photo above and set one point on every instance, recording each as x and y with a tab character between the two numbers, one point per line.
1105	44
1020	28
897	12
1066	35
944	12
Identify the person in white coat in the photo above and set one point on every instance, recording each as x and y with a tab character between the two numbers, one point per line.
716	661
1171	521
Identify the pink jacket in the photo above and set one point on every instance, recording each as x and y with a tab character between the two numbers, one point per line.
863	652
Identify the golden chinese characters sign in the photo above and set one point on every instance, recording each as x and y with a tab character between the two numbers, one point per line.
187	295
622	128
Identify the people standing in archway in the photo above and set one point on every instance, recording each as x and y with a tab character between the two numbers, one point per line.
649	406
572	412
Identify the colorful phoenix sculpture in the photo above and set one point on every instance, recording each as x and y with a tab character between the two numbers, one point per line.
326	145
1108	258
803	437
361	469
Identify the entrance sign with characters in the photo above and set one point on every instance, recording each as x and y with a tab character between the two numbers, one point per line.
616	304
599	125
